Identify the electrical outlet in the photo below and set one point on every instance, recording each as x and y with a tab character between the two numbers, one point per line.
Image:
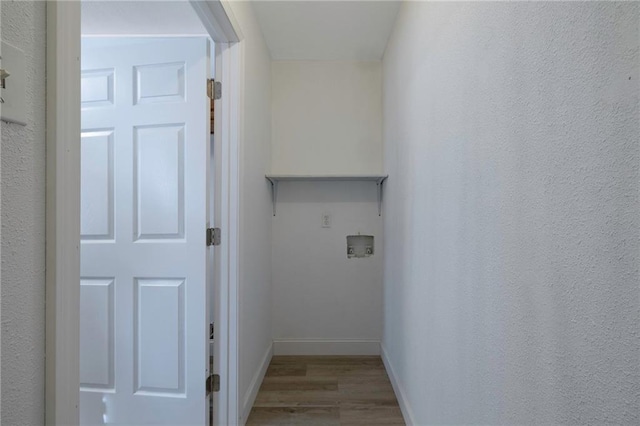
326	220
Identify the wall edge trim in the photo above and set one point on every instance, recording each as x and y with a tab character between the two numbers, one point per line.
256	382
326	347
405	408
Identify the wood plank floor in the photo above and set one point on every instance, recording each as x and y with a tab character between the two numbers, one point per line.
326	390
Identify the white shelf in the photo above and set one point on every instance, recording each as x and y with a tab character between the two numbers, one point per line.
274	179
341	178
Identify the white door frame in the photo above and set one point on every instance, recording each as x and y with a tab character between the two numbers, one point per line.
62	350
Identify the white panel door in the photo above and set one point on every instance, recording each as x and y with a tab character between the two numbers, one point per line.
145	156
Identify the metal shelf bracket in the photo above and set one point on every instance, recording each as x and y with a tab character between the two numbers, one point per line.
380	184
274	193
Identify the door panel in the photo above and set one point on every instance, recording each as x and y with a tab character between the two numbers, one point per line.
97	88
145	158
97	360
97	202
158	182
159	305
159	83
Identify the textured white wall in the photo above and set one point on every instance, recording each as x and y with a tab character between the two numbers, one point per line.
255	203
23	218
323	301
327	117
512	212
0	236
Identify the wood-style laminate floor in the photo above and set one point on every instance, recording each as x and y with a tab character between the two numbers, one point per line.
327	391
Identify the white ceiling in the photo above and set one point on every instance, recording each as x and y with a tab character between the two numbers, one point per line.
135	17
326	30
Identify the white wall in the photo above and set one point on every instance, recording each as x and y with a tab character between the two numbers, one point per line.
324	303
255	207
0	239
23	219
511	212
327	117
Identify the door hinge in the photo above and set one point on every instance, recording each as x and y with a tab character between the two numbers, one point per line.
211	331
213	383
214	89
213	236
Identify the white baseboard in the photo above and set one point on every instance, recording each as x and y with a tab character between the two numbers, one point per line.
326	347
401	395
254	387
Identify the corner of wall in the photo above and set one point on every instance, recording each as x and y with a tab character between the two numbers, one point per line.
254	386
401	394
255	331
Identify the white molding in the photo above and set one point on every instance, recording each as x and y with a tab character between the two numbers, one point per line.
326	347
228	11
216	19
62	347
236	73
227	400
407	413
221	315
255	384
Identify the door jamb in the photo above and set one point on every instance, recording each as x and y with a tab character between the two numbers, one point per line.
226	314
62	303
